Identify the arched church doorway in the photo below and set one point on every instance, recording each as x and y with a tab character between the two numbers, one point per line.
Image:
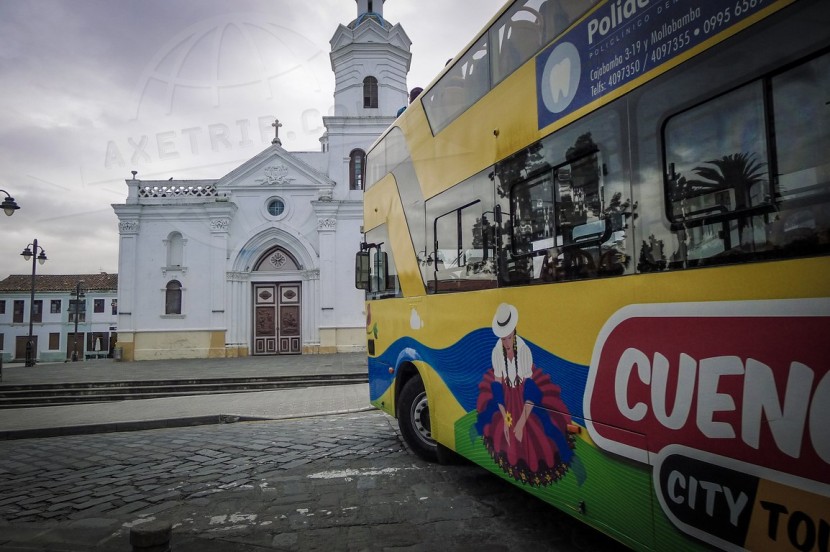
277	305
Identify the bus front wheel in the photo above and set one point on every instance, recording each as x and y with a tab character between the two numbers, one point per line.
413	420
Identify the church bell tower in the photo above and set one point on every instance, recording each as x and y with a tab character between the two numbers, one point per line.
370	58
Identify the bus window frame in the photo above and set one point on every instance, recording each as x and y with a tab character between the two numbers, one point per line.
719	213
558	238
460	260
458	235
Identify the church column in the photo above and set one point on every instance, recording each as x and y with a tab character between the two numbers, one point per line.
237	318
311	311
127	258
326	212
218	253
219	221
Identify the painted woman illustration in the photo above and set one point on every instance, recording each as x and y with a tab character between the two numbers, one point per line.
521	416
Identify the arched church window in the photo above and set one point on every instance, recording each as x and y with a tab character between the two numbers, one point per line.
173	297
175	249
357	167
370	92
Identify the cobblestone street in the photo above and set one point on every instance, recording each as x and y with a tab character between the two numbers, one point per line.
321	483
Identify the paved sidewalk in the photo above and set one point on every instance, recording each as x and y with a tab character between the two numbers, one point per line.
182	411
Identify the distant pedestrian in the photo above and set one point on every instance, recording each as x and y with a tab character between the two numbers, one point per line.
412	95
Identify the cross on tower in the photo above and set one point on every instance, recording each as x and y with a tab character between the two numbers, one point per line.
276	124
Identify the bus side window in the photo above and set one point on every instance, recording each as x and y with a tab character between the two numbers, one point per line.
717	181
529	231
566	205
724	203
532	215
559	228
462	237
801	224
463	249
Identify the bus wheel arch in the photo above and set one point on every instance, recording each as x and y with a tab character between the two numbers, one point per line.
413	413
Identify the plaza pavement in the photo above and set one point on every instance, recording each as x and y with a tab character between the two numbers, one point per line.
323	483
182	411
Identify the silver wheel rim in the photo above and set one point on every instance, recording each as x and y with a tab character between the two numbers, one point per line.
420	419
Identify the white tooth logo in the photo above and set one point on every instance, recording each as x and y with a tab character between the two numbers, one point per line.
560	77
560	80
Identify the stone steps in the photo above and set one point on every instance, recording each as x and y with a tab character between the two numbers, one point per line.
35	395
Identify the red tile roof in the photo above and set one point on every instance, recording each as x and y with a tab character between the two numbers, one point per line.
60	282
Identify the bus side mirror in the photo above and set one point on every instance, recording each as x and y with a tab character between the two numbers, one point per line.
361	270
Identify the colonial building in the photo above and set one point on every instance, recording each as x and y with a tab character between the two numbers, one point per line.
60	326
260	261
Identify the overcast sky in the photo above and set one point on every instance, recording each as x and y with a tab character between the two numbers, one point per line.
92	89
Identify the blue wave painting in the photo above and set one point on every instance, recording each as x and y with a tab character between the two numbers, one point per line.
463	365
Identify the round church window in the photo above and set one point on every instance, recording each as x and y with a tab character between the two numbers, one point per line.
276	207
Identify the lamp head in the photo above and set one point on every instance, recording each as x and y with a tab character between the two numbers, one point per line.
9	205
42	257
27	253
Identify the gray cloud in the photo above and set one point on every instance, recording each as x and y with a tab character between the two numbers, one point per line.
92	89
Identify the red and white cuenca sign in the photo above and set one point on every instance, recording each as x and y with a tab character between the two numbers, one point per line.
746	380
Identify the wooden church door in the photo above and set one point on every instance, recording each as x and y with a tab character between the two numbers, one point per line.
277	319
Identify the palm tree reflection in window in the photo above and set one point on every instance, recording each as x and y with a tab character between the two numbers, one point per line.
731	192
738	172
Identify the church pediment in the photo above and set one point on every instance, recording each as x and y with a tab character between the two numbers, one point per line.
399	38
275	168
343	36
370	32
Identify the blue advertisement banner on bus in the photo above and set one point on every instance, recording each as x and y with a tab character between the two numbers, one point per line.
623	40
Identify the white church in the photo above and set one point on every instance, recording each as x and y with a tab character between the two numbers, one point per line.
261	260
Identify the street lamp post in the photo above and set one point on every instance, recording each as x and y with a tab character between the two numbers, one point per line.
9	205
79	292
33	255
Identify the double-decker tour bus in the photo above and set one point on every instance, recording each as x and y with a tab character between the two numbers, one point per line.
596	264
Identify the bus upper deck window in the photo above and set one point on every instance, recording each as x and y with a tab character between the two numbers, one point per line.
514	39
464	84
526	28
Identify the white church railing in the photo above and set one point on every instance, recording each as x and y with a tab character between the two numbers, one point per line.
159	192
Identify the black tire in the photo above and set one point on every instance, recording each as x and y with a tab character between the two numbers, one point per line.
413	420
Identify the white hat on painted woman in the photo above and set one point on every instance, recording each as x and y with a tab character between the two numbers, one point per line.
505	320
